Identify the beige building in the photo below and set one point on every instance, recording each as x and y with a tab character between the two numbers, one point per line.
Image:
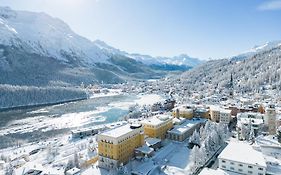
215	113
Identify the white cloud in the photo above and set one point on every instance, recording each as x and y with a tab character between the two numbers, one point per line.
270	5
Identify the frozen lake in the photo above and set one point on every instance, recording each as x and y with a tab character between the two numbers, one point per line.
41	123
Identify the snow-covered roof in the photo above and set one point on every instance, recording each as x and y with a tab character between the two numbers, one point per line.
145	149
145	168
73	171
182	128
156	120
179	120
119	131
244	153
152	141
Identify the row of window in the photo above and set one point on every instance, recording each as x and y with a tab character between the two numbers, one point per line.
240	170
241	165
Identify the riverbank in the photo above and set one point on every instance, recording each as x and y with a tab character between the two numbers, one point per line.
39	105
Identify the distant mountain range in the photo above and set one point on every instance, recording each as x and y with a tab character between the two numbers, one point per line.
39	50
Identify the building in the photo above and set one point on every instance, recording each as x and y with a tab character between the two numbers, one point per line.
183	111
201	112
184	130
221	115
116	146
153	143
240	157
157	126
270	119
215	113
225	116
84	132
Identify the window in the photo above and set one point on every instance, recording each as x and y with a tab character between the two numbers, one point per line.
231	168
223	166
249	166
240	165
232	163
250	172
240	170
223	161
260	173
261	169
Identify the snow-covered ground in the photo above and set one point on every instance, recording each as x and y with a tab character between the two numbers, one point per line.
59	119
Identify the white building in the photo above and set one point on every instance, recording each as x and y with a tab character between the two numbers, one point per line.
225	116
240	157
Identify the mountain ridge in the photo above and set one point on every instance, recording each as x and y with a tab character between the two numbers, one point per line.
37	38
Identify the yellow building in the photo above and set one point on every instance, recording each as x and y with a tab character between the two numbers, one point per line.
157	126
183	111
116	146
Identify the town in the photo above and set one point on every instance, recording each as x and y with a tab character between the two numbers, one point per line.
228	135
122	87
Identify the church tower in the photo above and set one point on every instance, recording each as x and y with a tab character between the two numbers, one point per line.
231	86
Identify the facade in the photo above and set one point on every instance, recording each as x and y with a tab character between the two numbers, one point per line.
80	133
157	126
183	111
215	114
117	146
270	119
225	116
202	113
242	158
184	130
218	114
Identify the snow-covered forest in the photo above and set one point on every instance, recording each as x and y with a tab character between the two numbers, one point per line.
249	75
16	96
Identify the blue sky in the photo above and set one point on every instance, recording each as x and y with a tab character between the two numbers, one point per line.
199	28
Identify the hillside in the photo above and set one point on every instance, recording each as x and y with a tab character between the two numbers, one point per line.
259	70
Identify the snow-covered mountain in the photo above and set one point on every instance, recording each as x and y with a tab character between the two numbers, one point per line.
256	49
45	35
37	49
180	60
